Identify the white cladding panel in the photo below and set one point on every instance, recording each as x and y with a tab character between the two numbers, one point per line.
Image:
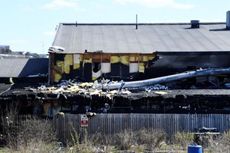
133	67
105	67
96	74
76	58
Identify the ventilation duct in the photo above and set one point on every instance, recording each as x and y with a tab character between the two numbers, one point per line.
195	24
228	20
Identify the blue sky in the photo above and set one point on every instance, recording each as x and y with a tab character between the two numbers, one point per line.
29	25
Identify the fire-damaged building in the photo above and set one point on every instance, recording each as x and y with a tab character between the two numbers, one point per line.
92	51
136	68
87	52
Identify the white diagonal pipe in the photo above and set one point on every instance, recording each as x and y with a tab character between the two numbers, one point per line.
169	78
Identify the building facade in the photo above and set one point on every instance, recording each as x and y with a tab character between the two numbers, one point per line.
93	66
125	51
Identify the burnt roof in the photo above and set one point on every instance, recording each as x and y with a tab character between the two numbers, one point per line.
125	38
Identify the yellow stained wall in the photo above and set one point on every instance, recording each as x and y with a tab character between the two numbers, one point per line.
77	58
115	59
68	60
61	67
124	59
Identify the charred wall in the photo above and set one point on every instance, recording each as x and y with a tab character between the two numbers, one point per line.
93	66
175	62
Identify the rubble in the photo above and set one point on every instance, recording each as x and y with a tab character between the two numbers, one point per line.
86	88
110	89
99	97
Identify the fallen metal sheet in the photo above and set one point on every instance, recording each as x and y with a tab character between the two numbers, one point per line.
165	79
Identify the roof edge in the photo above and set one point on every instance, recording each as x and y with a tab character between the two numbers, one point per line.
57	31
201	23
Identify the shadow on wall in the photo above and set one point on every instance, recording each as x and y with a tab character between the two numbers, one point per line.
35	67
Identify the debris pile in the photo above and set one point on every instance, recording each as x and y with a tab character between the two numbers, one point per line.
109	88
77	88
93	89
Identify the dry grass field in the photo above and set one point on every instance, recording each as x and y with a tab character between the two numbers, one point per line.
35	135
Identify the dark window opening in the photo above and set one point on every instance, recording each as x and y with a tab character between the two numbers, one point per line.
191	68
96	67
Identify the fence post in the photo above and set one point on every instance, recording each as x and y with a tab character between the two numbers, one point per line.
60	127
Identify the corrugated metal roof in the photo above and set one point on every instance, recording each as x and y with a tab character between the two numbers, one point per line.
23	67
124	38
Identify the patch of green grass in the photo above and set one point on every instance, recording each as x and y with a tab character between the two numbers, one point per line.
4	150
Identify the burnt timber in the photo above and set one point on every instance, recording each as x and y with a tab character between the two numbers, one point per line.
202	101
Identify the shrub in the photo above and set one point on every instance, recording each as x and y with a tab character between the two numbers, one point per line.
219	144
123	140
151	139
183	139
